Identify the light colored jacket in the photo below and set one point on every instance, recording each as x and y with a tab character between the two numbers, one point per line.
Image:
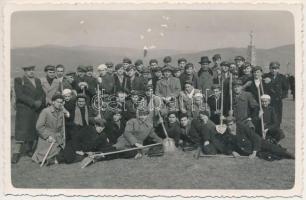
49	123
136	131
50	90
170	87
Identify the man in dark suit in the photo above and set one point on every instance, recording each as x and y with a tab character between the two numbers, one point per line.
277	88
30	100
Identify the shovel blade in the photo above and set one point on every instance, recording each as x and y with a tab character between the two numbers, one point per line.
86	161
221	128
169	145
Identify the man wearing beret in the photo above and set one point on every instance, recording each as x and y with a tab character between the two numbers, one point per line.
30	100
106	81
239	60
50	128
240	140
137	82
137	130
50	83
277	88
205	75
176	72
169	86
245	107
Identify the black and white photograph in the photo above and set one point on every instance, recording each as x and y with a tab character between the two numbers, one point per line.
154	98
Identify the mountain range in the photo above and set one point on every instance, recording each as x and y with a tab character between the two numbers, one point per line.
71	57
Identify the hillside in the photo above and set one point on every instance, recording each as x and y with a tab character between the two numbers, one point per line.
74	56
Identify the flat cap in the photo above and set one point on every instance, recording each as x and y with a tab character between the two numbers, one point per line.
274	65
138	62
225	63
70	73
176	69
49	68
143	111
118	66
181	60
204	112
156	69
256	68
127	60
153	61
167	59
237	82
81	96
56	96
81	68
28	67
239	58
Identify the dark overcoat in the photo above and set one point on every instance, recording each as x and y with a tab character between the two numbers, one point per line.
26	112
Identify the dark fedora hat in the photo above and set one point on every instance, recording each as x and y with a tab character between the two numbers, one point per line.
204	60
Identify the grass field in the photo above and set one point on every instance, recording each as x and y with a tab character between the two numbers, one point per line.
175	171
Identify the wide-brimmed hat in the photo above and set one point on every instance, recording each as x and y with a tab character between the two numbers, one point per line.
204	60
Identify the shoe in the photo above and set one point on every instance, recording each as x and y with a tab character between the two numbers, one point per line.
50	162
29	154
15	158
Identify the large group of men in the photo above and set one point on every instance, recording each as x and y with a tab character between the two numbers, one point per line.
66	116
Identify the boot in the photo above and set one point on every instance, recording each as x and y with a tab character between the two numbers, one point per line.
15	158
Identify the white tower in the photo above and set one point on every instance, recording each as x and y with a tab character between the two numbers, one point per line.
251	54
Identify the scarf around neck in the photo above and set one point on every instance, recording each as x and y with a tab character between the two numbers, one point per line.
78	116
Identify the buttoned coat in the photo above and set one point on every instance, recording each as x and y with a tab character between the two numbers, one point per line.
49	123
26	112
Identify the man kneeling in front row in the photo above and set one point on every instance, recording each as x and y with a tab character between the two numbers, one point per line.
137	130
241	140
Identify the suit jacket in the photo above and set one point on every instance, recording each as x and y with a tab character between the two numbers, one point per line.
138	84
193	78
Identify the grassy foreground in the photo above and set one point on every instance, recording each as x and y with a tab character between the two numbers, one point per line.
175	171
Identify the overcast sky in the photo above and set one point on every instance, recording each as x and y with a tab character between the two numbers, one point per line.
180	30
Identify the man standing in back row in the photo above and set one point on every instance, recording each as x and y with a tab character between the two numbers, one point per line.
277	88
30	100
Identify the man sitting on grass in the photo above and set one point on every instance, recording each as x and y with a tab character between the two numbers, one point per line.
242	140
